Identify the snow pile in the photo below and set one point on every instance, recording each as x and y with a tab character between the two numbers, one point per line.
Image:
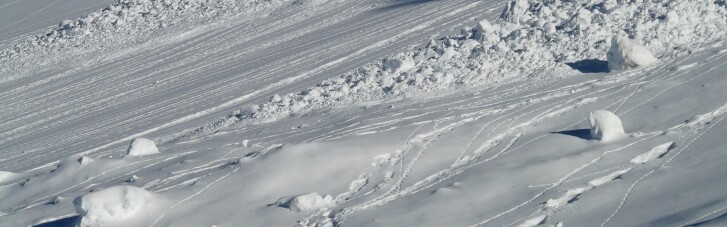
625	54
122	24
306	202
116	206
605	126
532	39
141	147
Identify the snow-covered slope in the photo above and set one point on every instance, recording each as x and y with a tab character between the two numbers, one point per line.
323	113
163	81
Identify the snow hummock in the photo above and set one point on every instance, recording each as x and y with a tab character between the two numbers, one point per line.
141	147
116	206
625	54
307	202
605	126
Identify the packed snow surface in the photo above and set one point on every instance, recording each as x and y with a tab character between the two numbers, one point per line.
360	113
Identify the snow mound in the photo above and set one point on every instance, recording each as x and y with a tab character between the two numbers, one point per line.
306	202
625	54
116	206
141	147
605	126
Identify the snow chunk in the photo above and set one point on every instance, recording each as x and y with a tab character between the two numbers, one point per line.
115	206
141	147
306	202
625	54
653	154
400	64
605	126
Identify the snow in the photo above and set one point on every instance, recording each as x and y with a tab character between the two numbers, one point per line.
305	203
141	147
6	177
625	54
605	126
653	154
357	113
115	206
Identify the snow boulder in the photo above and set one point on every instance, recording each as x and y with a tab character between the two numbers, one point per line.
141	147
306	202
117	206
605	126
625	54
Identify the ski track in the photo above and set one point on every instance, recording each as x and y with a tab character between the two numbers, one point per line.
615	81
633	186
185	67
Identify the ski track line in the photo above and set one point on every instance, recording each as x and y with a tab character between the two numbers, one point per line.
675	85
347	212
563	179
193	195
227	104
692	222
438	177
553	185
631	188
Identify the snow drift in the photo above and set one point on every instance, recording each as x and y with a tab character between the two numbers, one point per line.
116	206
605	126
625	54
141	147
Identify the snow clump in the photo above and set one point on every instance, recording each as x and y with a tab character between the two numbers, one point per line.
116	206
605	126
141	147
306	202
625	54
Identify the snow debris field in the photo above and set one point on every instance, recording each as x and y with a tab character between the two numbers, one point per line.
363	113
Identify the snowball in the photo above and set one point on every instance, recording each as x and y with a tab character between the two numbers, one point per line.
115	206
605	126
625	54
307	202
141	147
